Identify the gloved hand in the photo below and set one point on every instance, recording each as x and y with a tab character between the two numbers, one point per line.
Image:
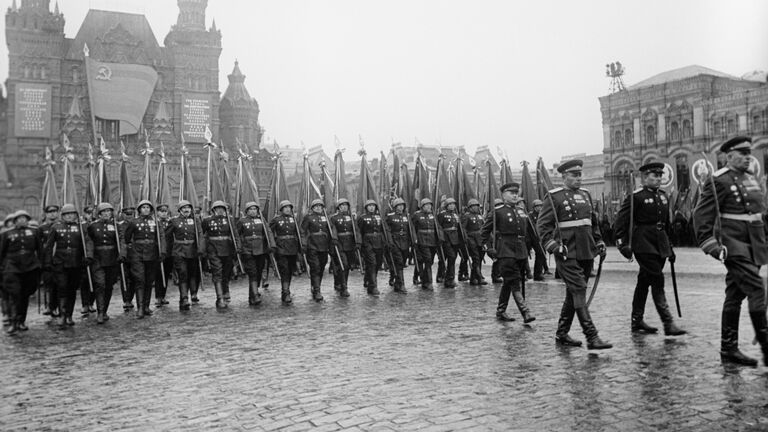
273	249
89	260
491	252
672	258
719	252
625	251
601	250
239	250
561	251
200	254
163	256
122	259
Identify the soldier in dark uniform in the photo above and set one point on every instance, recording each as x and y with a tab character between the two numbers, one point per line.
344	225
5	298
163	273
495	273
21	248
738	201
220	251
286	234
449	222
428	238
317	243
87	297
128	287
398	224
568	228
66	258
101	244
252	232
48	283
184	239
540	261
146	248
473	225
371	229
650	245
509	249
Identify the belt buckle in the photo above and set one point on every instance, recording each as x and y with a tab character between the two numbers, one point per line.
660	226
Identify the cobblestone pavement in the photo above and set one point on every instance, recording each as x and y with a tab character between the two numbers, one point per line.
422	361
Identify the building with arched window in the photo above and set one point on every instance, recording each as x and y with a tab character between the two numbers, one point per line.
677	117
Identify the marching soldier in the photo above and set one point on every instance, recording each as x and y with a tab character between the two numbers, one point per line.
161	281
473	225
21	248
495	274
449	222
423	222
284	228
182	236
5	298
146	248
730	226
251	231
540	261
66	259
49	284
101	243
87	297
128	288
650	245
371	229
345	229
398	224
567	228
317	241
220	251
504	234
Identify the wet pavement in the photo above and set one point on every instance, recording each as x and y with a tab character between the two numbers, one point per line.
422	361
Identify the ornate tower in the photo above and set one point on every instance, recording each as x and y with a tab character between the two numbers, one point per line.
239	113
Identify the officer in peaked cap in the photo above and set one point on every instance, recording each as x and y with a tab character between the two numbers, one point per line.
741	244
650	246
568	229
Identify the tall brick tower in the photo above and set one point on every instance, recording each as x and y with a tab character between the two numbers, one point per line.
239	113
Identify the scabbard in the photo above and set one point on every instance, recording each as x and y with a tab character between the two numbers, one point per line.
674	288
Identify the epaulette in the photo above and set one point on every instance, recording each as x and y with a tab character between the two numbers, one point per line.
721	171
640	189
558	189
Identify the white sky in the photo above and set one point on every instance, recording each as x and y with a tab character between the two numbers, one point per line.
522	75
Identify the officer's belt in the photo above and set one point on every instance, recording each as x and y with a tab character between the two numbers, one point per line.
346	233
183	241
659	225
105	247
372	234
754	217
449	229
576	223
220	238
254	236
147	241
286	237
426	231
474	232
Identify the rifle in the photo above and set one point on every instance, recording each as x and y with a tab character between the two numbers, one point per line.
631	213
415	242
123	281
358	241
85	252
674	288
270	245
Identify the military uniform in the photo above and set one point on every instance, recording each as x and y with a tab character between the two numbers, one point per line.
743	234
345	231
20	253
371	230
252	232
164	272
66	257
101	244
427	240
182	241
317	242
399	227
287	242
650	245
473	225
221	254
509	248
144	254
128	287
567	219
540	259
51	295
449	222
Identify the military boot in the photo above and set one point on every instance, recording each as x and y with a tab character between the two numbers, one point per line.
13	328
254	296
220	303
564	326
62	313
344	292
140	311
183	296
400	283
285	294
316	295
522	306
225	291
729	343
760	324
593	340
670	329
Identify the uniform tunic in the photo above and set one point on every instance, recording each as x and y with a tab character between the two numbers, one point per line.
449	223
220	249
287	241
317	242
64	252
144	254
101	244
182	242
345	231
427	238
372	232
473	225
20	253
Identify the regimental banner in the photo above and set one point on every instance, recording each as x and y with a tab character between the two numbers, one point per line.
195	116
32	110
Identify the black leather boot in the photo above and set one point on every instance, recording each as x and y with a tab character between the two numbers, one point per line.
760	323
564	326
639	326
184	296
593	340
522	306
400	282
729	343
254	296
285	293
220	303
316	295
662	307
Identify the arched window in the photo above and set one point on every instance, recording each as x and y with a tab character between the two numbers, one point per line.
628	137
43	72
75	75
617	139
731	126
687	131
674	130
716	129
650	135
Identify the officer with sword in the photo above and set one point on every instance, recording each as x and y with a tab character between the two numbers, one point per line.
648	207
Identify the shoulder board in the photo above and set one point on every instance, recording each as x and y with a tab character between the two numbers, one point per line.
556	190
586	191
637	190
721	171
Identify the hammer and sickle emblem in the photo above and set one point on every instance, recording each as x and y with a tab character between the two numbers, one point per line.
104	73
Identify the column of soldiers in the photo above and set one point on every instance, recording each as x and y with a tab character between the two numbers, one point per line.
729	223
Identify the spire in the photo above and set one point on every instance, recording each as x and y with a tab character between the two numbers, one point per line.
162	113
14	7
56	8
74	108
236	75
191	14
236	90
213	25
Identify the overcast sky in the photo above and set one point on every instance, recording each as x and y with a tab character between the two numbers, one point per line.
522	75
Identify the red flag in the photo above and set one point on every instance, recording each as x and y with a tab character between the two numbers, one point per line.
339	179
225	182
505	175
327	186
308	191
543	182
442	189
245	189
385	186
187	184
492	191
213	189
420	183
278	190
163	188
367	189
479	185
527	189
50	194
145	189
120	92
126	194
